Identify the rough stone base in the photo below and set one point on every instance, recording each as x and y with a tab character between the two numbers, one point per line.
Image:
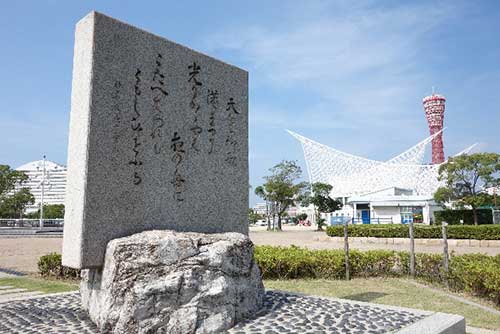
171	282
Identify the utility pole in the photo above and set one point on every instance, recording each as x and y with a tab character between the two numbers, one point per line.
43	193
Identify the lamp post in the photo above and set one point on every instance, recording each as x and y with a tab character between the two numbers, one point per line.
43	193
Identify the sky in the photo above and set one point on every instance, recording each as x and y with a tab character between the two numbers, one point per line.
348	74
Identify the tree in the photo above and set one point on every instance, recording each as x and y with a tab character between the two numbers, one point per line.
323	203
13	203
8	180
281	189
464	176
50	211
253	216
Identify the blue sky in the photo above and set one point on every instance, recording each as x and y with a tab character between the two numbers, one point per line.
350	74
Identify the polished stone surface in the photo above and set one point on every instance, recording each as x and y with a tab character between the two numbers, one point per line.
158	140
282	313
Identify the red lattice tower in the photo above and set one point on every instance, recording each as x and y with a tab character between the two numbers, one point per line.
434	112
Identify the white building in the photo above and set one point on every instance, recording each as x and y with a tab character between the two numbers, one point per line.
399	190
54	184
389	206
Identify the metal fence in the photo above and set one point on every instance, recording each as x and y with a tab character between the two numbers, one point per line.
340	220
30	223
373	220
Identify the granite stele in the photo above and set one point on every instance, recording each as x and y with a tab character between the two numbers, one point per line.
158	140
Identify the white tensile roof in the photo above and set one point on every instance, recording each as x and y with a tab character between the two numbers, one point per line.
354	175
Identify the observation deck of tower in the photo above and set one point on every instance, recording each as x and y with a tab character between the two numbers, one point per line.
434	112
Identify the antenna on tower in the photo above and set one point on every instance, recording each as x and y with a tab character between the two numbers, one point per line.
432	90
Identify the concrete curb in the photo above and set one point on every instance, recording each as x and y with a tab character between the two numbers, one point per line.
406	241
437	323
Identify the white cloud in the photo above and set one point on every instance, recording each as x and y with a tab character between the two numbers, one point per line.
360	59
317	117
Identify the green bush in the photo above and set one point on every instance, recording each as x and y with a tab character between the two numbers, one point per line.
51	266
453	217
474	273
483	232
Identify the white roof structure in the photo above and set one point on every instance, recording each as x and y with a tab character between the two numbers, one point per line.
354	175
392	197
54	184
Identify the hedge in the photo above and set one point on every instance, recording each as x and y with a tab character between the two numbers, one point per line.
453	217
474	273
51	266
482	232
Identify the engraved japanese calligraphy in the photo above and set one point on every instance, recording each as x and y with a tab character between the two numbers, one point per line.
194	71
136	126
159	93
178	157
231	140
213	102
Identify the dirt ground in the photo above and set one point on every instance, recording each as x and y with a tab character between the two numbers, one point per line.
22	253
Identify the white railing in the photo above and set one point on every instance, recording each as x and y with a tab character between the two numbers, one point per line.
30	223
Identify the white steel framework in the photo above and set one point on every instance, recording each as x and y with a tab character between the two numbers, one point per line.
354	175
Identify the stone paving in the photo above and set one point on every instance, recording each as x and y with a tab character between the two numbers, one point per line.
282	313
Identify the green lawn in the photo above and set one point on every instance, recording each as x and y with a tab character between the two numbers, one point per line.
39	284
391	291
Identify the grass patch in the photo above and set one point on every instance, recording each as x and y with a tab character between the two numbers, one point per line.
390	291
38	284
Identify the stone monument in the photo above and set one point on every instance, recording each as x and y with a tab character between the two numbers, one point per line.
157	189
158	139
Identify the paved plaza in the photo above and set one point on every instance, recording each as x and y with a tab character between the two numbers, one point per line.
282	313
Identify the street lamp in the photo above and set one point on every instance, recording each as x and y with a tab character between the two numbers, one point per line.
43	193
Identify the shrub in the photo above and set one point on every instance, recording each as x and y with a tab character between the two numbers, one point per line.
51	266
483	232
474	273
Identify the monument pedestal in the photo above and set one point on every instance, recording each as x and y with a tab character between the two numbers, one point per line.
173	282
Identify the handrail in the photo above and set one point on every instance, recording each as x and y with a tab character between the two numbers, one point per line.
27	222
